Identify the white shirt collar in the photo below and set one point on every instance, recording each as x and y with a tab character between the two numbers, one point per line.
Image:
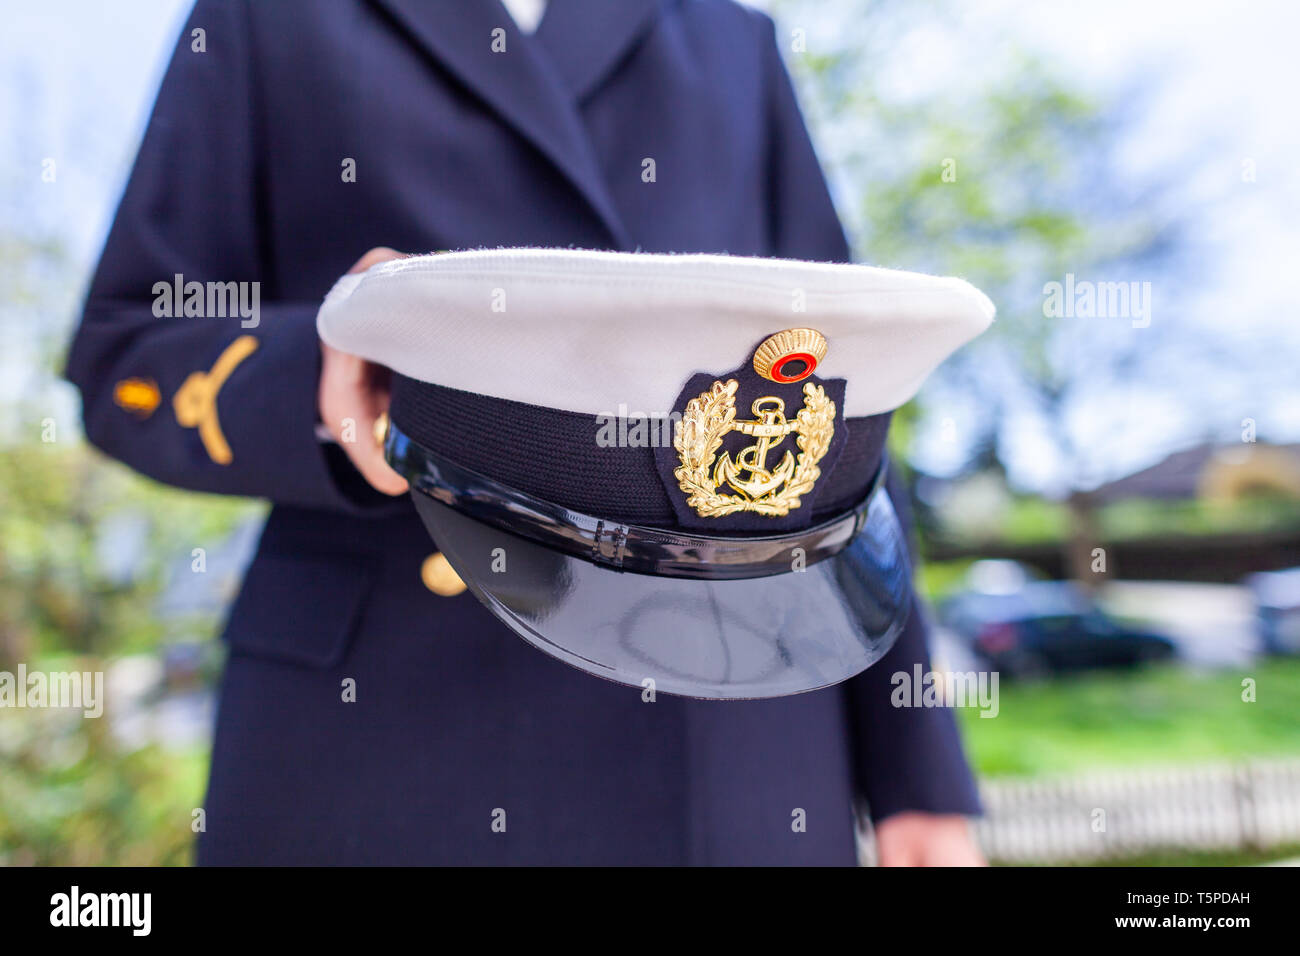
527	14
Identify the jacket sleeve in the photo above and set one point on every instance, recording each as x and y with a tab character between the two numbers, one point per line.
904	758
207	397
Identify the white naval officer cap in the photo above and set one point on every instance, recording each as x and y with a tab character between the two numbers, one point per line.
661	468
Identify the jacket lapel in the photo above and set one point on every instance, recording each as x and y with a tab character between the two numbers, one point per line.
587	39
518	84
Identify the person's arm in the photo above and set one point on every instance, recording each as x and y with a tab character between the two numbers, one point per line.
908	761
221	404
908	758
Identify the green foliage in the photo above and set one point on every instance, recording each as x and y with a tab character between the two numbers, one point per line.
70	792
1153	519
62	586
1160	715
72	795
936	580
1036	520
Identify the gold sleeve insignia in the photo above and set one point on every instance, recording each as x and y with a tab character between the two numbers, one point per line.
139	396
195	402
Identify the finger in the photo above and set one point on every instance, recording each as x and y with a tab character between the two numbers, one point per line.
358	441
374	257
342	385
368	455
379	475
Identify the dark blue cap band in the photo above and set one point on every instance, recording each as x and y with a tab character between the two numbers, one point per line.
613	544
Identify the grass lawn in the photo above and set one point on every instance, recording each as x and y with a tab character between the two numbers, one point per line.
1164	715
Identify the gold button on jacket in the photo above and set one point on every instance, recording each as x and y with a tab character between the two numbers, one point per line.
438	576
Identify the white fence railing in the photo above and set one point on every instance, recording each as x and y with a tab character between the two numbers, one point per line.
1255	804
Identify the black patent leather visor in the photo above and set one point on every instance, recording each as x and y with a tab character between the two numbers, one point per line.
696	616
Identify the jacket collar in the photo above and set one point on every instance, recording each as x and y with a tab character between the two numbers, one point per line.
587	39
534	92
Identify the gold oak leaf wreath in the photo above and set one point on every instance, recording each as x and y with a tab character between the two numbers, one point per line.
698	437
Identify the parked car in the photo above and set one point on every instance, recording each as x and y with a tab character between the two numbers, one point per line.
1277	609
1046	627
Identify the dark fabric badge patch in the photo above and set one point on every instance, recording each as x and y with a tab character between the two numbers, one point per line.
754	445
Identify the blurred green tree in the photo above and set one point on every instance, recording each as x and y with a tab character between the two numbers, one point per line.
1010	179
87	548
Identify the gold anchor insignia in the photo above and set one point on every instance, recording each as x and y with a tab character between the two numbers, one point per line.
772	493
195	402
771	424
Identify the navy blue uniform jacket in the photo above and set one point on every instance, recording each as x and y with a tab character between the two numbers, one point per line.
240	179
